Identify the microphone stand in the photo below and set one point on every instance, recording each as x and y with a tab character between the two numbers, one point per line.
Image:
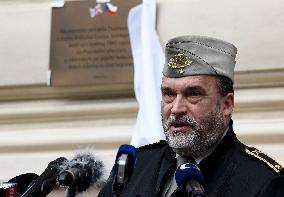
117	189
194	189
71	192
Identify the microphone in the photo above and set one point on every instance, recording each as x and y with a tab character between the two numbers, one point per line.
44	184
23	181
8	189
81	172
190	179
124	166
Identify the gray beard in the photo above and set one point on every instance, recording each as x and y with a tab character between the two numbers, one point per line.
200	139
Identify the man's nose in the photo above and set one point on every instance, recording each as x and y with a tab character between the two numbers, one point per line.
179	105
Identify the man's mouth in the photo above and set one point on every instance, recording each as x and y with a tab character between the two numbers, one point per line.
180	126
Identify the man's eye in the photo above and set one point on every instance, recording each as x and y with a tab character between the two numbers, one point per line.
167	93
195	93
194	96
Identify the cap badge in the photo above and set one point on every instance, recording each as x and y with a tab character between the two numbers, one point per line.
179	61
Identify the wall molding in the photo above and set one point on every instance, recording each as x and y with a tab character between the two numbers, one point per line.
272	77
42	91
243	80
30	111
66	110
48	125
259	99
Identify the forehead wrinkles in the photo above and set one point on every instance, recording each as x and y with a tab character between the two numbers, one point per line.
207	82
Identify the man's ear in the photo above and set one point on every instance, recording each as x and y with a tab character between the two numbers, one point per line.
228	105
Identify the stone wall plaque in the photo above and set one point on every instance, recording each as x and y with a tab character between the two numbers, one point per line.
90	43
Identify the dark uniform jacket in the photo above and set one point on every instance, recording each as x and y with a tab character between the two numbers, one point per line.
232	170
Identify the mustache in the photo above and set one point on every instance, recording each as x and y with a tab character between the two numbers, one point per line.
181	120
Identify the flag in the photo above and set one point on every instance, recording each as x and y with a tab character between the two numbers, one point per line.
110	9
96	10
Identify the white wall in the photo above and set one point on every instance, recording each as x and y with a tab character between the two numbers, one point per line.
255	27
24	38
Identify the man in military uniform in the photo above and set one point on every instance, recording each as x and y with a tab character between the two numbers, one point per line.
196	107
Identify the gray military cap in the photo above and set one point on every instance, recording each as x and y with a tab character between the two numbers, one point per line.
199	55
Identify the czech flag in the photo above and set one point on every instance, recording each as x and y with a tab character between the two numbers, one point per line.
110	9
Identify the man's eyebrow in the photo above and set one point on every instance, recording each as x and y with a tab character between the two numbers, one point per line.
194	88
166	89
188	88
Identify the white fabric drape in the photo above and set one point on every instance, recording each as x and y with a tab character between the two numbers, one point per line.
148	64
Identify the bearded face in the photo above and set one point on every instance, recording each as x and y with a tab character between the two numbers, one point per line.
202	135
194	114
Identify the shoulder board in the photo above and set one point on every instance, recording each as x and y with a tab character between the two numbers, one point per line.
152	146
271	163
